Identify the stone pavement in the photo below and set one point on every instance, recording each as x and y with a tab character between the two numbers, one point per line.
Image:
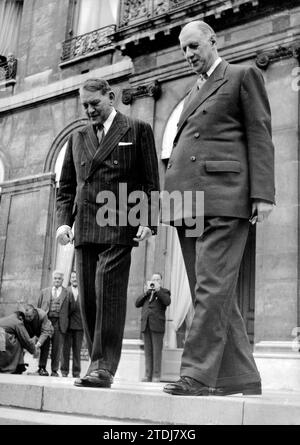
28	399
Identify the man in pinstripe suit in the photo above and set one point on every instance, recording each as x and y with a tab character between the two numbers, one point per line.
112	150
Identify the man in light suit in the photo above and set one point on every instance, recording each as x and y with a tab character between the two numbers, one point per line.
112	150
223	147
56	303
153	302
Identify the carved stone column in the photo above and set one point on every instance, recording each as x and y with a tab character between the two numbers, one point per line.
142	99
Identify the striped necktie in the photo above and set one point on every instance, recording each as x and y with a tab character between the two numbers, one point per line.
100	132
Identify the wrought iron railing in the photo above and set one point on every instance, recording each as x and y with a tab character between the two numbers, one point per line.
88	43
135	11
8	69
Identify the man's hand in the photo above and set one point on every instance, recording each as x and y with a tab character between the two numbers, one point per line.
64	235
260	211
37	351
157	286
142	234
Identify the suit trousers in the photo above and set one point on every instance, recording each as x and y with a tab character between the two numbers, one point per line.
217	351
56	342
153	344
73	340
103	273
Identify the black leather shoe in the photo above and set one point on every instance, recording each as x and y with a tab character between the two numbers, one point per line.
101	378
43	372
54	374
247	389
187	386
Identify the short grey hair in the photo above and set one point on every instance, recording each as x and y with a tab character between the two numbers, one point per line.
203	27
96	84
58	272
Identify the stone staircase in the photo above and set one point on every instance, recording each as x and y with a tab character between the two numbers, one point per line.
36	400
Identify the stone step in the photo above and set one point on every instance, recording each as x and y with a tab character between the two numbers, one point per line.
17	416
145	403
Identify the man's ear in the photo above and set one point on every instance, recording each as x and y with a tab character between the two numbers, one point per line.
112	95
213	40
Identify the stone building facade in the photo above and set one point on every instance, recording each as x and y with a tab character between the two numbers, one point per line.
134	45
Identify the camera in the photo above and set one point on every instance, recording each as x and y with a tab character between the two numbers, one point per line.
150	285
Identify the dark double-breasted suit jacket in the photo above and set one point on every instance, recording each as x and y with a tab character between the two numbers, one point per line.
127	156
154	309
44	303
223	144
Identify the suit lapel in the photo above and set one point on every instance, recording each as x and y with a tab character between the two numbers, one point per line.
117	130
63	295
90	141
197	98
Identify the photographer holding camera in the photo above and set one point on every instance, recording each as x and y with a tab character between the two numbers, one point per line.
153	302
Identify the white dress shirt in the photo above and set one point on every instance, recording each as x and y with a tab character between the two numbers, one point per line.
75	292
58	291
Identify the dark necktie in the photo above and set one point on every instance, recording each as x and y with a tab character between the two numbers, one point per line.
201	80
100	133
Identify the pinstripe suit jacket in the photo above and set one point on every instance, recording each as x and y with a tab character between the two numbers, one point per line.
127	155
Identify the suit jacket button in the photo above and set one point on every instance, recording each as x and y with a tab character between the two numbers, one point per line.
169	165
116	162
204	112
196	135
82	163
174	145
193	158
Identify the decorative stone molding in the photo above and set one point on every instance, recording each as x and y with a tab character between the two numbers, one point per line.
147	26
264	59
152	90
135	11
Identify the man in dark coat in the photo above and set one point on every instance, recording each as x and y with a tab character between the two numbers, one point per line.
223	147
55	302
105	162
14	338
74	335
154	303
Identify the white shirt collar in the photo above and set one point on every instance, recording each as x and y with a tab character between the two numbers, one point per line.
109	121
58	291
214	66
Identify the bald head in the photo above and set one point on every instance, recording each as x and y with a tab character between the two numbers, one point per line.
198	43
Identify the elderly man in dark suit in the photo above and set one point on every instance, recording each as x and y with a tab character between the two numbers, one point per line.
223	147
154	302
112	156
55	302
